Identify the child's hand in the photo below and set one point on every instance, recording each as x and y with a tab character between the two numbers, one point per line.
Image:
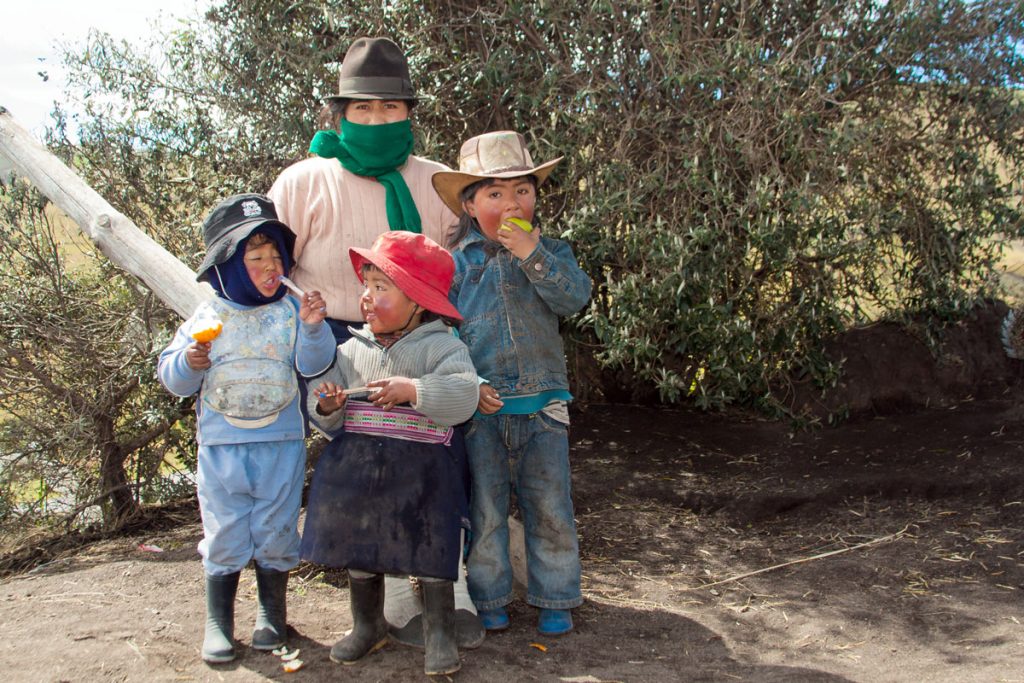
489	402
517	240
312	308
330	398
392	391
197	355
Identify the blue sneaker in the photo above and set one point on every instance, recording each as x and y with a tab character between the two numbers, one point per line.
554	622
494	619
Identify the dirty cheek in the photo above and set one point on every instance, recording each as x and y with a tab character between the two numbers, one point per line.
385	311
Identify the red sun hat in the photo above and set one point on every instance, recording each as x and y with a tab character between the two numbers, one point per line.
418	265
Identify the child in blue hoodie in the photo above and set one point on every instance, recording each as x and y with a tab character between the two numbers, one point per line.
251	425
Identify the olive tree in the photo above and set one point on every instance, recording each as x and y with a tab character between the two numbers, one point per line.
742	180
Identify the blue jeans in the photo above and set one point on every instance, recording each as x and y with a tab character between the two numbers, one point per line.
530	455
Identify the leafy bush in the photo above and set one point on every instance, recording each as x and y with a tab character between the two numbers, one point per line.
742	181
84	427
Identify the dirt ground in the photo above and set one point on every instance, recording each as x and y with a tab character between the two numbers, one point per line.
715	548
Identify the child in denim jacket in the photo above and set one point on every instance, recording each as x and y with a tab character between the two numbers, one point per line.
511	285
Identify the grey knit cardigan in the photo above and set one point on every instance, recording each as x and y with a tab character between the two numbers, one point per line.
447	388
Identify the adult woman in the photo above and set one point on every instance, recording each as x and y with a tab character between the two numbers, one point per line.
363	181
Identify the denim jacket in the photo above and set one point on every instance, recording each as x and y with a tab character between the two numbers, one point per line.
511	309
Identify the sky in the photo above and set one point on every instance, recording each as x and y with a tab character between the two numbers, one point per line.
31	29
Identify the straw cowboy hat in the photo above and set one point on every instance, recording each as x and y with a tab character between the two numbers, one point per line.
374	69
501	154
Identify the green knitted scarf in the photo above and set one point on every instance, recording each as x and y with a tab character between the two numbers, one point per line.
377	152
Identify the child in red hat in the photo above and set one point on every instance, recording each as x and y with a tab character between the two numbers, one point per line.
389	496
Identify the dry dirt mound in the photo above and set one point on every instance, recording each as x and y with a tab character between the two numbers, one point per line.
884	550
889	369
715	548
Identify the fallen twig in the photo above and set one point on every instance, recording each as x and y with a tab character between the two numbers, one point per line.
876	541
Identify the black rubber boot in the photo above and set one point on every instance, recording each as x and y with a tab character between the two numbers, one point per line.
442	654
369	629
469	632
218	641
271	612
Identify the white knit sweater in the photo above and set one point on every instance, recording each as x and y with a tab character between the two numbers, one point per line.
330	209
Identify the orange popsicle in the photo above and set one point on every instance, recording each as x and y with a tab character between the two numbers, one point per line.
207	330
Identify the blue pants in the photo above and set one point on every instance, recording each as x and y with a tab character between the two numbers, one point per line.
530	455
249	497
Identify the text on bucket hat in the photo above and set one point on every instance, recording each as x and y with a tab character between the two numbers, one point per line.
418	265
501	154
374	69
232	221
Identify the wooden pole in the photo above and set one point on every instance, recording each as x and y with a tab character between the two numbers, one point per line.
117	237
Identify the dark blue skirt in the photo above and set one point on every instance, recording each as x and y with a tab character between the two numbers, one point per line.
388	506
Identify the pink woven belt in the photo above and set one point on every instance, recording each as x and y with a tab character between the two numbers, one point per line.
397	423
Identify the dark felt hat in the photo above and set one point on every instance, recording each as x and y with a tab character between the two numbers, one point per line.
374	69
232	221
